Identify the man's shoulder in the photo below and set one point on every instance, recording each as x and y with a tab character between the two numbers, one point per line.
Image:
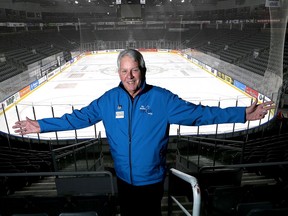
113	90
159	89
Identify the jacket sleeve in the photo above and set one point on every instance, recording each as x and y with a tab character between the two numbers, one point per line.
186	113
84	117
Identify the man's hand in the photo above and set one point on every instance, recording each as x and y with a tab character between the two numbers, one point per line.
26	126
258	111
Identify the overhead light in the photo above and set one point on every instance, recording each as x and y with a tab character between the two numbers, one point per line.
76	2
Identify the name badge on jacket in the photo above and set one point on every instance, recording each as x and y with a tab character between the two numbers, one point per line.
119	114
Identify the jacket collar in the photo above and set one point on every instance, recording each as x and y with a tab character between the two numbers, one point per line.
143	87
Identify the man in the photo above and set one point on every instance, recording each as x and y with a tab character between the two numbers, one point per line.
137	117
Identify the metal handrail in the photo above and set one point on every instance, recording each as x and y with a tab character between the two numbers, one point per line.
247	165
76	144
195	190
74	149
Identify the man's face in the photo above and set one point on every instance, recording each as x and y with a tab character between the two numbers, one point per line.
130	75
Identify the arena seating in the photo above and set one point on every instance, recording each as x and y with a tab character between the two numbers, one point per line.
248	48
240	190
15	160
65	40
8	70
55	206
23	49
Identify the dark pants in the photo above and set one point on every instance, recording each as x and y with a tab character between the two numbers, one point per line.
140	200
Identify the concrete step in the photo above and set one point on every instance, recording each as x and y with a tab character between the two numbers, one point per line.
175	213
175	208
31	192
43	187
254	179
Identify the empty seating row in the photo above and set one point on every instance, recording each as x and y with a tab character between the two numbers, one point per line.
246	200
59	205
7	71
14	160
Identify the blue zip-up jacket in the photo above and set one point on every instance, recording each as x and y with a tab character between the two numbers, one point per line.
138	130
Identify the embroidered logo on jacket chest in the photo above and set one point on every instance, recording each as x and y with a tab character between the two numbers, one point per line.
147	109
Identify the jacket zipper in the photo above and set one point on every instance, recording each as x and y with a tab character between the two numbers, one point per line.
130	140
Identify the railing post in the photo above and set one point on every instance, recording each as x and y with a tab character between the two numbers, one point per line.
233	130
54	161
74	158
217	125
76	139
169	211
86	157
95	130
248	124
8	134
34	113
18	118
53	115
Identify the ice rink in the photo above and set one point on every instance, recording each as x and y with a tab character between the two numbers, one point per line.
92	75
